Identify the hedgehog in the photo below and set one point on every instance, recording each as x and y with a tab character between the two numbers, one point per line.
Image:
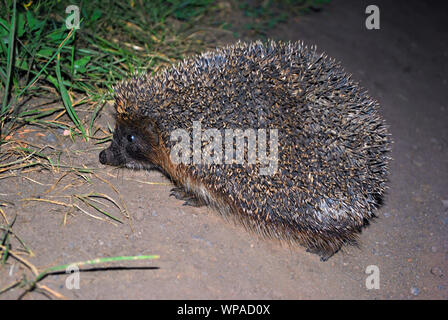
326	170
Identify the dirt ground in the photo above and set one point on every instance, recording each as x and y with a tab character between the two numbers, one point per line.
403	65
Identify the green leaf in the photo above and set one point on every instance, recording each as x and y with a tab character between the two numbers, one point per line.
33	22
80	64
21	64
20	24
4	28
95	15
57	35
45	52
30	20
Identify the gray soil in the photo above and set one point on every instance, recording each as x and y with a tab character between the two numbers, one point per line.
403	65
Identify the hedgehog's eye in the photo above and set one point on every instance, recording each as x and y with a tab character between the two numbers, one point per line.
131	138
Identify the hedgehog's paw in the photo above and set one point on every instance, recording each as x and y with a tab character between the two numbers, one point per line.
194	202
179	193
190	200
323	253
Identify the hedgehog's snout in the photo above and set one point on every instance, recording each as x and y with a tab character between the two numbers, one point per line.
103	157
107	156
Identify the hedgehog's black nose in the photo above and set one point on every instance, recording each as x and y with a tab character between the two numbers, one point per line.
103	157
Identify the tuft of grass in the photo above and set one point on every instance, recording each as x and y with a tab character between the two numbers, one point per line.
40	57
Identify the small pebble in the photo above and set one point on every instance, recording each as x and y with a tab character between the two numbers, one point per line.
417	163
415	291
436	271
434	249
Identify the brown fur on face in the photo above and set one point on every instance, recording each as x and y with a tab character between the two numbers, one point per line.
135	143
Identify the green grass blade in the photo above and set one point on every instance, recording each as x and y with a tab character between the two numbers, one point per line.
10	58
66	100
41	70
94	261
